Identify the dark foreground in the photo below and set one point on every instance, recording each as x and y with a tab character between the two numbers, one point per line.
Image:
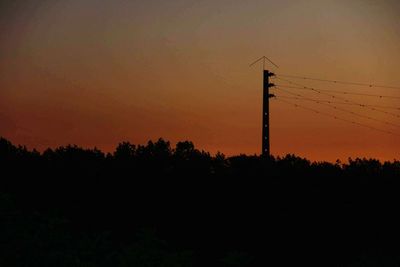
156	206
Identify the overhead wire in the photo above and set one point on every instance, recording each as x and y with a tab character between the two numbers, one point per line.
338	82
344	110
337	118
337	91
334	102
319	91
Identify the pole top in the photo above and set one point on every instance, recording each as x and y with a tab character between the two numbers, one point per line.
263	58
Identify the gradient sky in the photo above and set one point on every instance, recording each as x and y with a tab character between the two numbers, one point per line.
95	73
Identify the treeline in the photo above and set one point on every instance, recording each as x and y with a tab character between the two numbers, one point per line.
158	205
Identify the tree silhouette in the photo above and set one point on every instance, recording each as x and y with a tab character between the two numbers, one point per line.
72	206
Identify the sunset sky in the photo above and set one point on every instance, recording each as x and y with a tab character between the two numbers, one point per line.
98	72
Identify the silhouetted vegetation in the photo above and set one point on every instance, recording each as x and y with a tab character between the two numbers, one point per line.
155	205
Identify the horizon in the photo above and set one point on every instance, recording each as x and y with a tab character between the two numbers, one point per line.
173	146
96	73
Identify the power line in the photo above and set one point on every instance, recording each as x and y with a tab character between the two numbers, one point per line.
334	96
349	102
338	82
334	102
344	110
337	91
337	118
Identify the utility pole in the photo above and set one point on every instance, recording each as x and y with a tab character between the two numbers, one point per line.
266	152
265	147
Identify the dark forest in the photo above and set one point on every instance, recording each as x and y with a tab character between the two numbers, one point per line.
158	205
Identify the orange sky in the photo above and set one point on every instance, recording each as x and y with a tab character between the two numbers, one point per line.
95	73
